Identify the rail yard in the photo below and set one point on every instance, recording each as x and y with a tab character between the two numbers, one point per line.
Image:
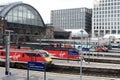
103	64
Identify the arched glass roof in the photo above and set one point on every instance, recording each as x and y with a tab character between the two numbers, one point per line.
22	13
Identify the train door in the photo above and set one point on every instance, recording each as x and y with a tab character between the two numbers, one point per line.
33	57
2	55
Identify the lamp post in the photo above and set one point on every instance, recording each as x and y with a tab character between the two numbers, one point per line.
7	70
89	51
81	55
98	46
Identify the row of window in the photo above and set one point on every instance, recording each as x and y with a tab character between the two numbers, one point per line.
107	8
107	23
107	12
107	27
105	20
71	11
107	32
109	3
108	0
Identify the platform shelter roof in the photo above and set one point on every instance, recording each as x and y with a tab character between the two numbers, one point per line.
77	32
112	36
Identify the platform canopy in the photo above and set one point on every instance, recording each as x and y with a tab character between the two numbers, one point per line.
77	32
112	36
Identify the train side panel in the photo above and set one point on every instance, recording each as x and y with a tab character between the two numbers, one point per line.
64	54
58	53
23	56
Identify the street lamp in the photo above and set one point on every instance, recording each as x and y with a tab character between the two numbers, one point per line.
98	45
89	50
7	72
81	55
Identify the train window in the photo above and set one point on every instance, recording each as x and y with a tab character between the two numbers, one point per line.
33	54
45	54
2	53
23	55
38	55
30	54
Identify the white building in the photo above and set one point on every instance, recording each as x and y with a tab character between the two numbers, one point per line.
106	17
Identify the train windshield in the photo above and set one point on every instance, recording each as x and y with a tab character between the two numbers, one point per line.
45	54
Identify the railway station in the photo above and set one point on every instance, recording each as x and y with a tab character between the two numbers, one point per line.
23	19
27	25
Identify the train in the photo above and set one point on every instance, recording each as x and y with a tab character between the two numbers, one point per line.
63	53
20	57
57	52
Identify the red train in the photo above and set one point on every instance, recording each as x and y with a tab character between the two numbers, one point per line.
58	51
24	56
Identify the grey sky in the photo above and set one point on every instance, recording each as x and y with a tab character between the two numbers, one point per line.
45	6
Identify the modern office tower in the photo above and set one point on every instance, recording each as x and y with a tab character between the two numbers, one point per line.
75	18
106	17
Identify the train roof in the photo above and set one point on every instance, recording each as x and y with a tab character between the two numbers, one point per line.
26	51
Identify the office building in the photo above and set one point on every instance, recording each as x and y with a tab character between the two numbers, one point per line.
74	18
106	17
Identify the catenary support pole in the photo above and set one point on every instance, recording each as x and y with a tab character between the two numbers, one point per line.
81	55
7	70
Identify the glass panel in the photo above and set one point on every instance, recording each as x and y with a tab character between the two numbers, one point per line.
24	14
24	20
10	13
9	19
15	19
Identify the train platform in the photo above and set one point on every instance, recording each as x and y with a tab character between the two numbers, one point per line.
20	74
105	68
86	64
102	59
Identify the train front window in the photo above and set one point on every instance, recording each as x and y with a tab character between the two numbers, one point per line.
34	54
45	54
37	55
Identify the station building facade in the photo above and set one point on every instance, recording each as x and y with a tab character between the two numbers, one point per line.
23	19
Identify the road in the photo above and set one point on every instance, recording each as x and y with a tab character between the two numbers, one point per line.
19	74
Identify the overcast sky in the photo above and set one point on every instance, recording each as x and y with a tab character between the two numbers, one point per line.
45	6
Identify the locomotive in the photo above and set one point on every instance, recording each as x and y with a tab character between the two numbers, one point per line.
20	57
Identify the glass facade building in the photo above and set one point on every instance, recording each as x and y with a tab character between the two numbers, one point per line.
24	14
106	17
76	18
23	19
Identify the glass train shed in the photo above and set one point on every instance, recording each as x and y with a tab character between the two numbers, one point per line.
25	21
